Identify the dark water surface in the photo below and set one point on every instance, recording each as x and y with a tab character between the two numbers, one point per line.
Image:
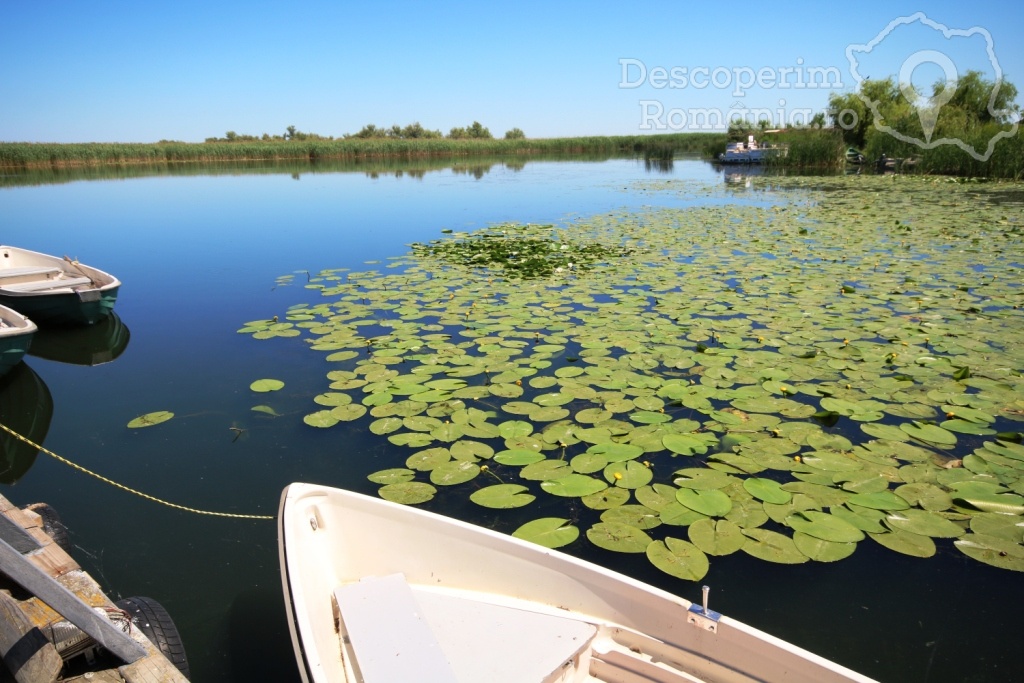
199	255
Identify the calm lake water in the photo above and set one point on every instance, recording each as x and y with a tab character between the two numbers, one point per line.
199	255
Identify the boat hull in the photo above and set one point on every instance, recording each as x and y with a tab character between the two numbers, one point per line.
330	538
16	334
68	294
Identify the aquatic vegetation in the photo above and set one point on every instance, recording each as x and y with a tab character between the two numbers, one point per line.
833	363
526	251
150	419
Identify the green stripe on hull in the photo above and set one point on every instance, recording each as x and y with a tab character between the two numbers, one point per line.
62	309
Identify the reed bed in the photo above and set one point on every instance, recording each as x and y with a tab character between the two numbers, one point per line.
28	155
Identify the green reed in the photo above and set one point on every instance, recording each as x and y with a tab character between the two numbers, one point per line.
28	155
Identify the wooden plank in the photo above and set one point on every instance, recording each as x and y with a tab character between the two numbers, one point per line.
62	600
19	539
26	272
27	654
46	285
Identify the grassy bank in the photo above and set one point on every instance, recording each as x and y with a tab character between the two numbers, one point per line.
35	155
1005	161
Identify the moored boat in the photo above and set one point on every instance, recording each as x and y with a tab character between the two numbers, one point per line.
749	152
380	592
16	332
53	290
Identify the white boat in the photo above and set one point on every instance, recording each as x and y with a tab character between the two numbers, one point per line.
378	592
55	290
749	152
16	333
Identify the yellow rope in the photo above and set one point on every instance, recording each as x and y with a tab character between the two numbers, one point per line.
113	483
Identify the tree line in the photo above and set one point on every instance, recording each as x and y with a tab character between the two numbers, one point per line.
413	131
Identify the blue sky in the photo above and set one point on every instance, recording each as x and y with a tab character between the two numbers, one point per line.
186	70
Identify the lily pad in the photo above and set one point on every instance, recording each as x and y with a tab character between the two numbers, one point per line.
767	490
502	496
150	419
266	385
717	537
678	558
550	532
711	503
621	538
573	486
408	493
772	546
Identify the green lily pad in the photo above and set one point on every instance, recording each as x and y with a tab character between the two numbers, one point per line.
906	543
923	523
454	472
821	550
687	444
628	475
824	526
711	503
883	500
265	385
502	496
993	550
678	558
408	493
618	537
716	537
573	486
929	433
634	515
767	490
606	499
550	532
397	475
267	410
518	457
150	419
321	419
772	546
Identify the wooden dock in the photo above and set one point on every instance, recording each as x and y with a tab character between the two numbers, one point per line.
44	593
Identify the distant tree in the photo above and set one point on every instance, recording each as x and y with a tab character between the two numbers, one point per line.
290	133
478	131
231	136
515	134
416	131
370	131
973	94
458	134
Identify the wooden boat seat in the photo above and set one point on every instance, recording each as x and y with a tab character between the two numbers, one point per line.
389	623
45	271
44	285
391	640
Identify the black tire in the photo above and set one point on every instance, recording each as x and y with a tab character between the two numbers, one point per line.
52	526
150	617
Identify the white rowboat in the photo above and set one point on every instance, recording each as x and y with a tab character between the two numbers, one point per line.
53	290
385	593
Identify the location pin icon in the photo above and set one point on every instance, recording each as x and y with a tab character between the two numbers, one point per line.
928	107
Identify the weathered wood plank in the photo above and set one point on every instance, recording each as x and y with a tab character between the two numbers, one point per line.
62	600
27	654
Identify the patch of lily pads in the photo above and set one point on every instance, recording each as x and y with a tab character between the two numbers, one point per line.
788	379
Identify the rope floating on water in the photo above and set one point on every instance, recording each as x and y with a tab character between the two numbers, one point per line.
115	484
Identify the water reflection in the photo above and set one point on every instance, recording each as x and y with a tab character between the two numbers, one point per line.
92	345
373	167
26	406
